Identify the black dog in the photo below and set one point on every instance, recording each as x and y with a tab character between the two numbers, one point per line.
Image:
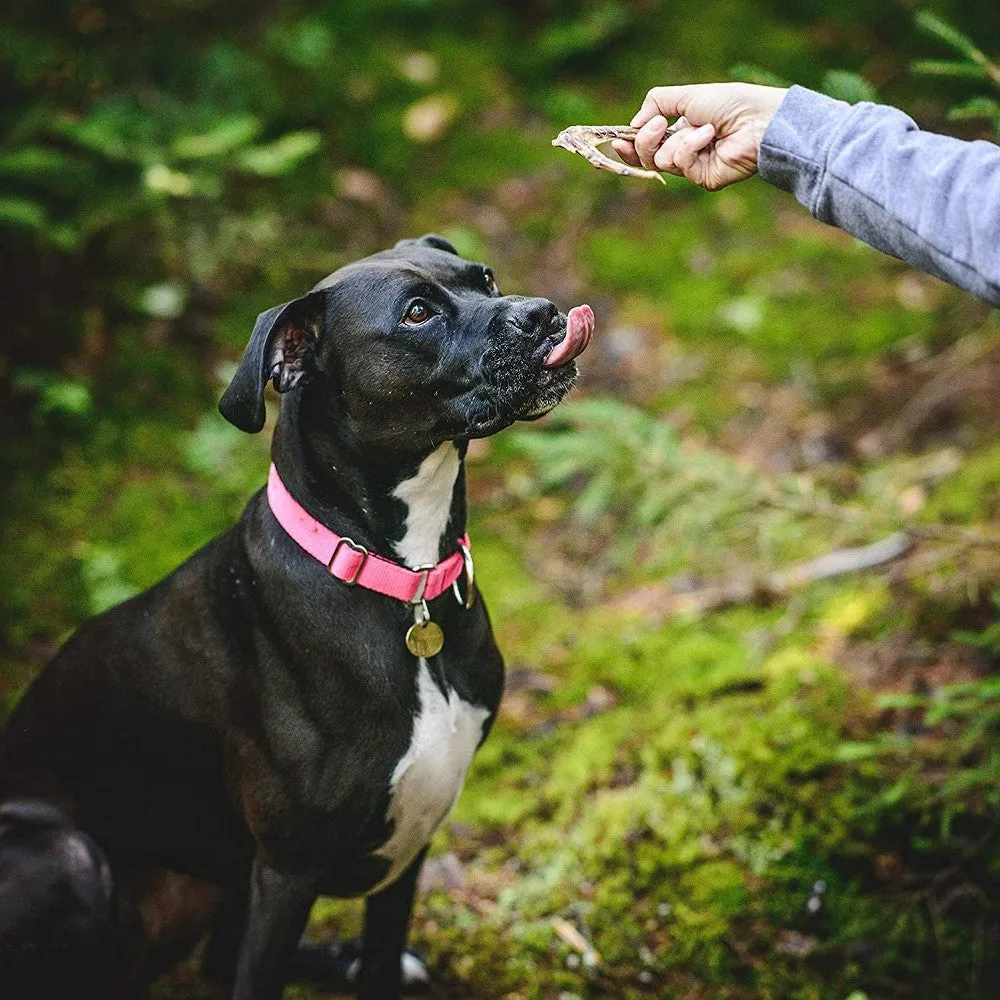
251	733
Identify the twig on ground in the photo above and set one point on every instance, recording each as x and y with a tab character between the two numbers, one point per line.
840	562
781	582
968	537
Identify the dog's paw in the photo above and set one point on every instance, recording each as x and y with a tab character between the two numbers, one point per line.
414	975
335	967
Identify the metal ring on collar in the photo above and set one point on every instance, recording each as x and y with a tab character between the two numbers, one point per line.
418	594
351	544
470	578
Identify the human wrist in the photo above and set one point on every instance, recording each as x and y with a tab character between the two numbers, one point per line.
766	104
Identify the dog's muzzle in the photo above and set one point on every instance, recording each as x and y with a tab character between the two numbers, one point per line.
529	365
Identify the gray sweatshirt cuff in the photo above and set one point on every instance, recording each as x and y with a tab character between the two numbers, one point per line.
793	153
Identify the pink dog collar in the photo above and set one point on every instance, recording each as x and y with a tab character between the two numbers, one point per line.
355	565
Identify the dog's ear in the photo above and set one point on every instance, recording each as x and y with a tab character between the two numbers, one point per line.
431	240
438	242
280	348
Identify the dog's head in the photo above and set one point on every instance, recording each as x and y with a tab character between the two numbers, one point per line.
411	347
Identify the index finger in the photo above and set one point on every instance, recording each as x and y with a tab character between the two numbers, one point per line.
625	149
667	101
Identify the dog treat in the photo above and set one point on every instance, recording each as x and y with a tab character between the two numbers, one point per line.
585	140
579	329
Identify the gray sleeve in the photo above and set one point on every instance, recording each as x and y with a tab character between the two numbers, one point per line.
931	200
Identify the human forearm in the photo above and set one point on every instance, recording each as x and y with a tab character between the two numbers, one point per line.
930	200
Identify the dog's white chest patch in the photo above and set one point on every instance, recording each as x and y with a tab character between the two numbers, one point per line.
427	496
446	730
428	778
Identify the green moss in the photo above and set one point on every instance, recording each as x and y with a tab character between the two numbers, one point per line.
970	494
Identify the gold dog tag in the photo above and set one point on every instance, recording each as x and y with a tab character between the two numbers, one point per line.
424	638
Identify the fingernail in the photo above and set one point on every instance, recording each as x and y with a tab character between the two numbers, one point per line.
657	123
636	118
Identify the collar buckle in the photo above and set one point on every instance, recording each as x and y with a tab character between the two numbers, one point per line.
360	549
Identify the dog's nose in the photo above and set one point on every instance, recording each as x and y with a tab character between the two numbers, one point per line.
534	314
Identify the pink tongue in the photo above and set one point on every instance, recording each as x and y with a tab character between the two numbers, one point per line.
579	328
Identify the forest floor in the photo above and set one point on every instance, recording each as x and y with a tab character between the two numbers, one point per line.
717	772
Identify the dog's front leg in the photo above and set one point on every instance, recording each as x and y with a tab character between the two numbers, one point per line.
276	916
222	950
387	919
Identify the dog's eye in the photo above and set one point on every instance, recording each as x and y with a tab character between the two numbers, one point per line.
419	312
491	283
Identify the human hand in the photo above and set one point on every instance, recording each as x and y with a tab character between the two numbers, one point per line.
720	134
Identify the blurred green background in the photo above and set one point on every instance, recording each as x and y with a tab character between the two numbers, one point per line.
715	774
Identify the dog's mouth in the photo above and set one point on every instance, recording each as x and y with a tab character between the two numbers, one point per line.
558	372
579	330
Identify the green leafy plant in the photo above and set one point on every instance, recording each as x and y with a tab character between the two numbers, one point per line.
640	486
972	64
959	758
54	395
160	156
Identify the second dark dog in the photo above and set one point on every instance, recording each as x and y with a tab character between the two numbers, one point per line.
278	719
56	906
